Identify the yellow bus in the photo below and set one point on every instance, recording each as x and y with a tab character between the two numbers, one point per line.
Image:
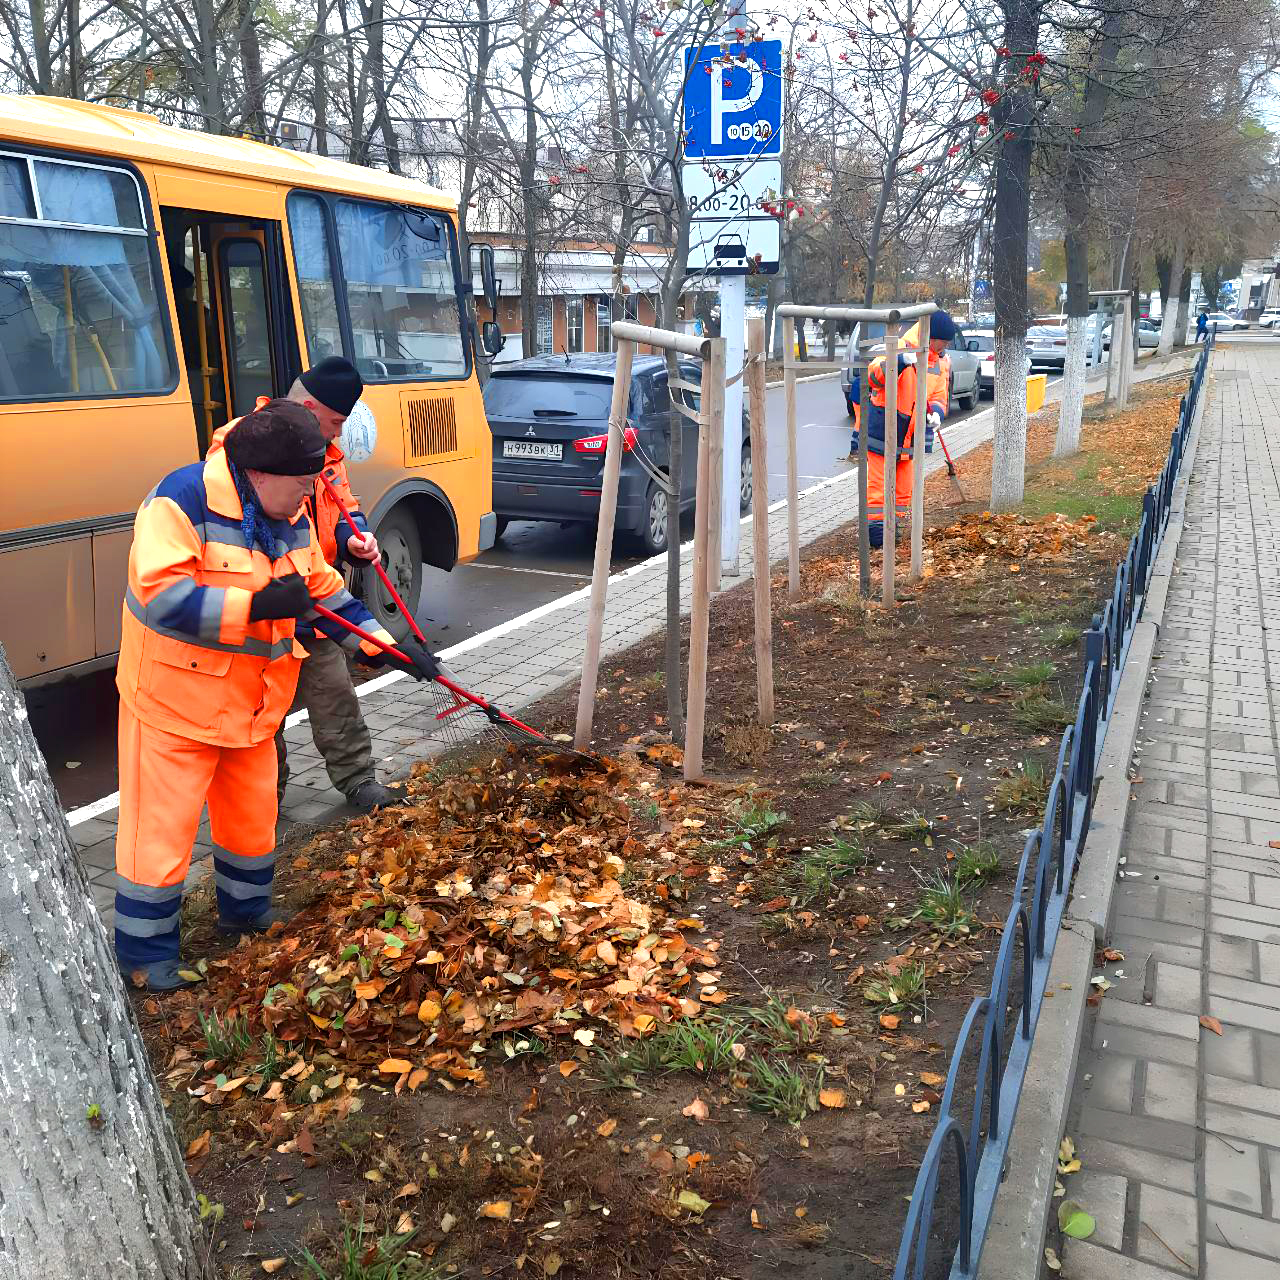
153	283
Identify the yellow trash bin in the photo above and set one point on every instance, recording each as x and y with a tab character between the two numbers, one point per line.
1037	384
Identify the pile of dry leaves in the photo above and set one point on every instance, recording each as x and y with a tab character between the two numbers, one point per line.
491	903
973	541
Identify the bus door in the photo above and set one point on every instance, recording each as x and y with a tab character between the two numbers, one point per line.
234	311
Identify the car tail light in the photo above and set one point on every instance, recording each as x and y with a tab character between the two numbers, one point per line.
597	444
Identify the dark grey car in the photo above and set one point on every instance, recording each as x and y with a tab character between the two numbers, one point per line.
549	416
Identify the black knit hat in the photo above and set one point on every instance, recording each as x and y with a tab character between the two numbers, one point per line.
282	438
335	383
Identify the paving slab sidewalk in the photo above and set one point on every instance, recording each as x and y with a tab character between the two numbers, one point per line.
1177	1126
518	663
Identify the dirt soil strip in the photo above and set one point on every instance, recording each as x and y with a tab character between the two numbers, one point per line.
557	1020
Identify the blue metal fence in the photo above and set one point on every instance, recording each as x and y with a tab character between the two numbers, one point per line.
998	1033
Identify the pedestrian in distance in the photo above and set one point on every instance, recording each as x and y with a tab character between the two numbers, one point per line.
942	330
1202	326
223	566
330	391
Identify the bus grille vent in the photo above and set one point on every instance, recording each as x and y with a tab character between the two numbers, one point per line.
433	427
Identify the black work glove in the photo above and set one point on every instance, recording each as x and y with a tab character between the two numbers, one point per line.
421	665
285	597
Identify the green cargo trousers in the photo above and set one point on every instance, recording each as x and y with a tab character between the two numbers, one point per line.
337	727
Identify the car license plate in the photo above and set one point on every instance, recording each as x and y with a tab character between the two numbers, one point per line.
532	449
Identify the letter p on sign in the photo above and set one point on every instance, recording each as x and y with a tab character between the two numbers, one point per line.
722	105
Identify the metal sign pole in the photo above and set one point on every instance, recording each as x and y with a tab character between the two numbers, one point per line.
704	518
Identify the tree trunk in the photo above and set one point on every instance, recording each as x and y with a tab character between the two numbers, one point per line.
320	80
1184	307
1169	316
40	38
254	117
75	55
85	1194
1009	258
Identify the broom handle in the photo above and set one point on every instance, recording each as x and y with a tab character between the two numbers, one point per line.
456	689
377	564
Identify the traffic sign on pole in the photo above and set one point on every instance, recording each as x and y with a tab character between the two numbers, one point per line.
733	118
733	99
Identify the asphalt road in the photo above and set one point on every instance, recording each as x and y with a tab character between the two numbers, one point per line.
75	722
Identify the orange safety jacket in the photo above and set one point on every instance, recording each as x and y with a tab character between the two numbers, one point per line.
191	662
937	394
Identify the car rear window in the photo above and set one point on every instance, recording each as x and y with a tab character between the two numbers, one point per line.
515	396
981	342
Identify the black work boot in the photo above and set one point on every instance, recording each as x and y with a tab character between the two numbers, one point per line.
370	795
255	924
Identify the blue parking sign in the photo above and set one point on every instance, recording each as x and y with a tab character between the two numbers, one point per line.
733	100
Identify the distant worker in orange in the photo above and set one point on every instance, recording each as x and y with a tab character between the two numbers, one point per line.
224	564
942	330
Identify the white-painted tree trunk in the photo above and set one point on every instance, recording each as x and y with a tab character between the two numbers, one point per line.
1169	317
1009	446
84	1195
1184	316
1074	373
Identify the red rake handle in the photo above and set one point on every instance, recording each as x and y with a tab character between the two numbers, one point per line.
456	689
377	564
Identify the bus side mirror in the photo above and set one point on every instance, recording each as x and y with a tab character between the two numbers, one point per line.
491	338
488	276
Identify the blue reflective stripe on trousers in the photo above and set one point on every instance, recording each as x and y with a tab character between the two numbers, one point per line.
244	893
147	926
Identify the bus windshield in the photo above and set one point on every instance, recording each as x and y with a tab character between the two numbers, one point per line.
397	270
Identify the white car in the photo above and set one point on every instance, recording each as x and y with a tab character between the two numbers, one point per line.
1148	335
1226	322
1269	317
983	341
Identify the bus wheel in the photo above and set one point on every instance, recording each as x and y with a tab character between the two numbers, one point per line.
401	548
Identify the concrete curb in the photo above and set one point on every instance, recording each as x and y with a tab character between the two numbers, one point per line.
1015	1237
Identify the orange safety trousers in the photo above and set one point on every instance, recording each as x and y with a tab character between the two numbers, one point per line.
875	492
165	781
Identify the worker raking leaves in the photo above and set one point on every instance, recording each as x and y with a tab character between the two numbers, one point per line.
224	564
942	330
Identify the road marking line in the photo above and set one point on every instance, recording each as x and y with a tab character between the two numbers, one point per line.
511	568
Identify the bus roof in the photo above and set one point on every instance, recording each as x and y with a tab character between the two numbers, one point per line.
98	129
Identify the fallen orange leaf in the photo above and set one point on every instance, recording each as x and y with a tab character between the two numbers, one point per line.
1211	1024
696	1110
394	1066
568	1067
497	1209
834	1098
932	1078
606	1127
890	1021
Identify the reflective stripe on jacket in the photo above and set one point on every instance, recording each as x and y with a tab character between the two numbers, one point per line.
191	662
937	384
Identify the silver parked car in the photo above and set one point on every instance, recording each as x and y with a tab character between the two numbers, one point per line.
1148	335
964	368
983	343
1047	345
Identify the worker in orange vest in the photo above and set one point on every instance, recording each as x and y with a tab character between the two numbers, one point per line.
942	330
331	390
223	565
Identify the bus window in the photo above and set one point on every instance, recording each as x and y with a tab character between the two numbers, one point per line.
308	229
398	271
80	302
248	328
